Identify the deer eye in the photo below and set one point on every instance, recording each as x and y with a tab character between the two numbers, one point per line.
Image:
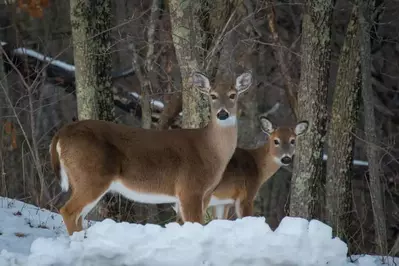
232	96
292	141
276	142
214	97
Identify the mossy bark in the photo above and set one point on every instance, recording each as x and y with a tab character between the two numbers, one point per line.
91	22
186	34
308	176
341	132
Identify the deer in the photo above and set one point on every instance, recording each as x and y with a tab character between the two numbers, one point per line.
249	169
93	157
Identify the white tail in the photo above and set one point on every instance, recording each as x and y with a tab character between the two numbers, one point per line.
248	169
93	157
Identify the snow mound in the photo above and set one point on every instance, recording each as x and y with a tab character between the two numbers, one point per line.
248	241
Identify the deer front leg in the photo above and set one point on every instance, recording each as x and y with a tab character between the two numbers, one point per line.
191	207
226	211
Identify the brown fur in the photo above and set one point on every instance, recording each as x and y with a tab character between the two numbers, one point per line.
249	169
184	163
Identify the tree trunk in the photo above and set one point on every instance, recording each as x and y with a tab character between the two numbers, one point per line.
307	179
341	133
5	143
91	22
186	35
376	190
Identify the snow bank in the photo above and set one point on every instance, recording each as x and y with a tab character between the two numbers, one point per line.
248	241
21	224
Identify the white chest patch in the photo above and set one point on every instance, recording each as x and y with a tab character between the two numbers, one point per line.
150	198
231	121
216	201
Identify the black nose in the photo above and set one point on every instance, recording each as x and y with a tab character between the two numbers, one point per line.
222	115
286	160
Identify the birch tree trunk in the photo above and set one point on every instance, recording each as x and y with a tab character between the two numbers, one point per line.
341	132
186	36
307	179
91	22
376	190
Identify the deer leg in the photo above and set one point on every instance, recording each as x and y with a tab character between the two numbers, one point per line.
219	211
247	207
205	203
226	212
77	207
179	218
191	207
71	214
238	208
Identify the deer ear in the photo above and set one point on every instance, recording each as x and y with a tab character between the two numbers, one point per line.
301	128
243	82
266	125
201	82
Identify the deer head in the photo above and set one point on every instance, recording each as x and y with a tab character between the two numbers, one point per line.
282	140
223	99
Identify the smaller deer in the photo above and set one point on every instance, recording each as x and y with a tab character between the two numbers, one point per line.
249	169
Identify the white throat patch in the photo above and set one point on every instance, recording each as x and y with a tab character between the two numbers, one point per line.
231	121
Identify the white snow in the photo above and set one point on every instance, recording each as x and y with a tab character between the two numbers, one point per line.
41	57
248	241
21	224
154	103
355	162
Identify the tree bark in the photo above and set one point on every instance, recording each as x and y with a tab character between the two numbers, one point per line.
5	143
341	133
91	21
186	36
307	179
376	190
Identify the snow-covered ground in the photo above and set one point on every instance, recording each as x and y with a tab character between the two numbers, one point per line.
30	236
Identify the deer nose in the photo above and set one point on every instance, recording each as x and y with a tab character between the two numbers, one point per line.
222	115
286	160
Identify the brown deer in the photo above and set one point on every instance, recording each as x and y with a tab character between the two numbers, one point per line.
249	169
93	157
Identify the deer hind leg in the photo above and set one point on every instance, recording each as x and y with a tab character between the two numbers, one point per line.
179	218
77	207
191	207
244	208
226	212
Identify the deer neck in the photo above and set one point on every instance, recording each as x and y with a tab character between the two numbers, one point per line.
266	163
222	137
